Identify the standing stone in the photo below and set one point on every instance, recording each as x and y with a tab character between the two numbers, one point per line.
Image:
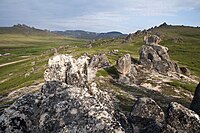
195	105
123	65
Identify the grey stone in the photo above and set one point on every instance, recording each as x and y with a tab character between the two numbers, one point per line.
156	57
147	116
99	61
123	65
182	119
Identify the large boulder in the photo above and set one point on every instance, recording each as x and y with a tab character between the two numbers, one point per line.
195	105
59	109
123	65
65	68
126	71
147	116
156	57
182	119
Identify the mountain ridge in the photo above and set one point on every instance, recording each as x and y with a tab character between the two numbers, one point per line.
28	30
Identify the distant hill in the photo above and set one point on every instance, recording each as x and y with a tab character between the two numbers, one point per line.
25	30
89	35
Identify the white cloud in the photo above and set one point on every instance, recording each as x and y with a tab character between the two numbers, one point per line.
96	15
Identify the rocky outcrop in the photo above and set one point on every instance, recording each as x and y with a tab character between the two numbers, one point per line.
66	103
65	68
182	119
195	105
156	57
146	116
60	108
99	61
126	70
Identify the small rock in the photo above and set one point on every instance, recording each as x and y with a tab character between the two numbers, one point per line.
185	71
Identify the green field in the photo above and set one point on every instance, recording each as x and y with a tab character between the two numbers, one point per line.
37	49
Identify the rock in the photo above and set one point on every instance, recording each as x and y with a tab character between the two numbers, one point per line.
60	108
153	39
156	57
182	119
65	68
147	116
195	105
99	61
185	71
123	65
126	71
128	38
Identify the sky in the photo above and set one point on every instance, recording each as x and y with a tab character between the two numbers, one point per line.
126	16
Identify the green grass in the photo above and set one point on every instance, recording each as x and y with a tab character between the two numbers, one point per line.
187	86
33	47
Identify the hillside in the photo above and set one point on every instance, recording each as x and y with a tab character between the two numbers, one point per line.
89	35
25	30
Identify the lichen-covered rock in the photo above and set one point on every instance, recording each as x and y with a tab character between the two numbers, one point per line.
182	119
60	109
146	116
99	61
127	72
123	65
156	57
65	68
195	105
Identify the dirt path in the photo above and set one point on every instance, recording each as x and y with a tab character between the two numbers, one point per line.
9	63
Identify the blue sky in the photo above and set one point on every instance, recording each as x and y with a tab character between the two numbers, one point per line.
99	15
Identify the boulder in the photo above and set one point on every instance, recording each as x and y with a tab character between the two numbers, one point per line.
182	119
99	61
127	72
60	108
147	116
156	57
195	105
65	68
123	65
